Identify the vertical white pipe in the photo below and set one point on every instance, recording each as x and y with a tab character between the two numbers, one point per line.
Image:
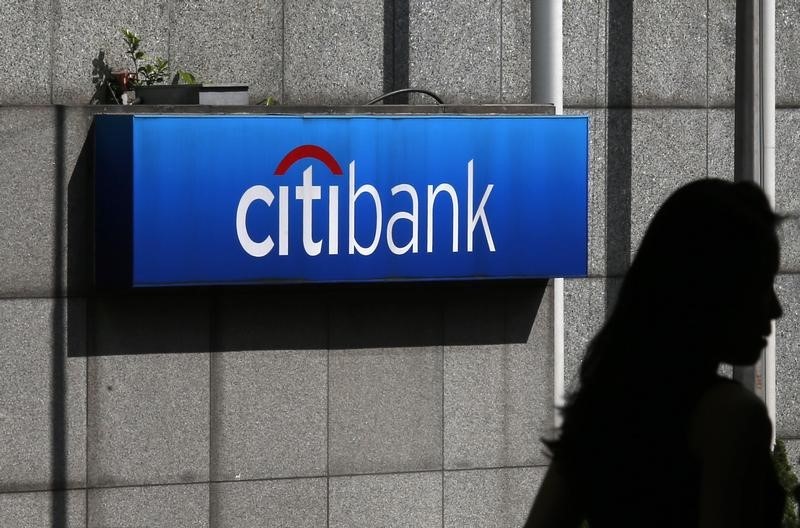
558	348
547	88
546	53
767	79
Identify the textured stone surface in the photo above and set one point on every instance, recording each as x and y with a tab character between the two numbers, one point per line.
721	53
651	152
787	50
147	323
585	309
78	165
152	506
44	200
498	395
787	344
87	32
269	387
231	42
787	187
269	414
585	50
25	61
516	51
597	188
148	418
385	408
43	395
455	49
498	498
669	150
720	144
291	503
669	53
333	52
412	500
27	201
789	235
34	510
268	319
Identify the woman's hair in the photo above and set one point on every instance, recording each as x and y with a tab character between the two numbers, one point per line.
645	369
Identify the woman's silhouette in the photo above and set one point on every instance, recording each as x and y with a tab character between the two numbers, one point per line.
653	437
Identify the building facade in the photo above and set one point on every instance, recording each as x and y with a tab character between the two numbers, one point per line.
343	406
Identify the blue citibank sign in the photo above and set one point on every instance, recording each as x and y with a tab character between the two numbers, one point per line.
212	199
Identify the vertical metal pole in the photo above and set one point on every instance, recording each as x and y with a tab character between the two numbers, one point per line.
547	88
546	53
754	148
768	169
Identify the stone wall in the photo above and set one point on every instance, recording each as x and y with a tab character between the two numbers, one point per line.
335	406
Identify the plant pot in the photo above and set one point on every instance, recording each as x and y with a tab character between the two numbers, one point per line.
124	79
173	94
224	94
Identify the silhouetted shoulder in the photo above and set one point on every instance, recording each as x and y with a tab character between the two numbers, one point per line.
728	420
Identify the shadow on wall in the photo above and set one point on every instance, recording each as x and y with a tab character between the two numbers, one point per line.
284	317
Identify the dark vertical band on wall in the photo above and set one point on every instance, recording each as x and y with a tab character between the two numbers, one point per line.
58	396
395	49
619	142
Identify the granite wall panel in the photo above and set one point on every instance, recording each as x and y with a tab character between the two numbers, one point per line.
653	152
499	498
585	309
720	144
668	151
598	198
76	158
148	419
669	46
787	343
787	187
289	503
787	50
498	385
269	390
88	41
412	500
269	414
455	49
28	214
43	394
148	391
721	53
26	61
65	509
231	42
333	52
45	166
151	506
584	52
385	406
515	52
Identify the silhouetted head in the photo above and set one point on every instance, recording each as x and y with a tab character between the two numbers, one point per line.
699	292
703	276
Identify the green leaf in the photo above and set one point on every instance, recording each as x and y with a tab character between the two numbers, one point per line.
187	77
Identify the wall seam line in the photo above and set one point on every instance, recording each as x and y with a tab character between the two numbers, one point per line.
708	74
502	43
283	52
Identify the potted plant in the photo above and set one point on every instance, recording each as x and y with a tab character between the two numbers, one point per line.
148	75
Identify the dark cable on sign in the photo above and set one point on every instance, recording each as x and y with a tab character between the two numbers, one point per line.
407	90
